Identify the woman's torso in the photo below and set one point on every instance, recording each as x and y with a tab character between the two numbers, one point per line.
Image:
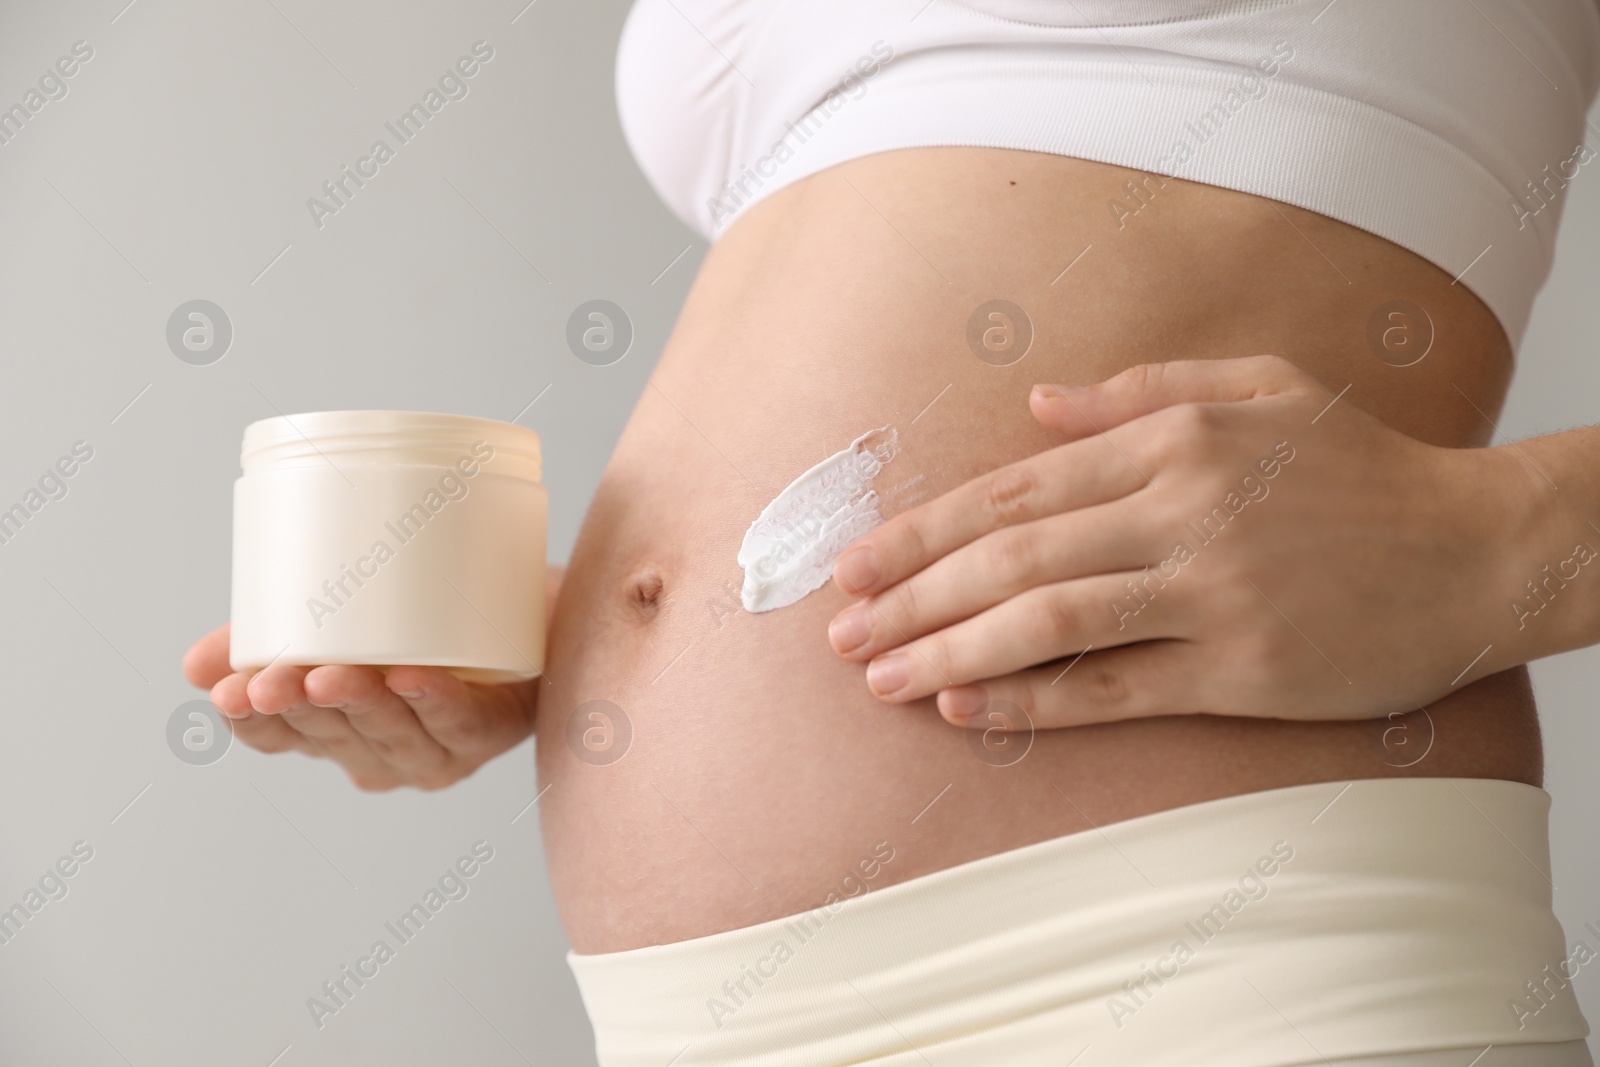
759	774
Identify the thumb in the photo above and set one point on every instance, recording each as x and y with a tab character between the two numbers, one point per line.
1079	411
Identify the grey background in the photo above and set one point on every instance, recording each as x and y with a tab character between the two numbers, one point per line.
176	168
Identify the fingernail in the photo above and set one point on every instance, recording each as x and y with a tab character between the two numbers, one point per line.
962	703
857	569
415	694
850	629
887	675
1057	392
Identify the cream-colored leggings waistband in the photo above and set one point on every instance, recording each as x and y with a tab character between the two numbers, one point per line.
1310	925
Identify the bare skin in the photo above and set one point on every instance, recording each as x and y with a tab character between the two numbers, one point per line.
1202	507
759	767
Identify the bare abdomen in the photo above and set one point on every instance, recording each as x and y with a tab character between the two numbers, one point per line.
759	774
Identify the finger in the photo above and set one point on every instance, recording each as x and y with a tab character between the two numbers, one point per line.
327	730
1042	624
277	688
231	696
1103	539
1129	682
468	720
280	690
1079	411
206	662
384	721
1072	476
270	734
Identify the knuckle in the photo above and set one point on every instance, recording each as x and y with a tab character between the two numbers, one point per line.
465	726
1140	378
914	543
1009	493
1009	558
1054	617
900	605
1106	686
1182	430
1195	422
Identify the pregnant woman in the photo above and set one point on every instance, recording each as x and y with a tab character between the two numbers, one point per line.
1176	713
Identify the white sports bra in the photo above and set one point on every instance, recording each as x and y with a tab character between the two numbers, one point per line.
1450	127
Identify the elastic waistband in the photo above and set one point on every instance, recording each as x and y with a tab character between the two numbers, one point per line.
1298	925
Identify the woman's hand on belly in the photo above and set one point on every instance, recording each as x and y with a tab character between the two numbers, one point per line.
1220	536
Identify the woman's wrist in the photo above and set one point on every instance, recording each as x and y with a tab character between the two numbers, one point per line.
1547	589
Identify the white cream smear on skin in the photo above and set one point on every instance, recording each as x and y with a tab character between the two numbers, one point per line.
789	550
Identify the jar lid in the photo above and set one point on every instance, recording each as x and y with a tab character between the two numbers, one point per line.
420	438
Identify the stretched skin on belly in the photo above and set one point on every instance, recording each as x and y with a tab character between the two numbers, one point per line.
758	769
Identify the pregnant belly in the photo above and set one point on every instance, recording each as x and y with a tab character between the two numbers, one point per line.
706	768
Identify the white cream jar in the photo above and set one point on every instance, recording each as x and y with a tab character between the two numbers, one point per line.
387	538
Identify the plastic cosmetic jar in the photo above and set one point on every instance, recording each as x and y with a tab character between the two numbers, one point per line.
390	537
